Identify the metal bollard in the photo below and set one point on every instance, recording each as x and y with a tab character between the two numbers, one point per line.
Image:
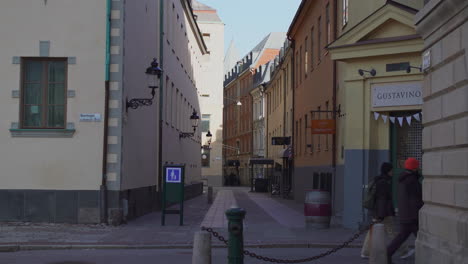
378	254
201	248
210	194
235	218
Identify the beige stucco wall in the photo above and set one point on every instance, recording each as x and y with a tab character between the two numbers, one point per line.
54	163
443	221
212	85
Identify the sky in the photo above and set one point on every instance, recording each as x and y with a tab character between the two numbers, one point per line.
249	21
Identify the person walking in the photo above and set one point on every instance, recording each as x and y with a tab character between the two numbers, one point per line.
384	211
409	203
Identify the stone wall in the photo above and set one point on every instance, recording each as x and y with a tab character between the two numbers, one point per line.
443	235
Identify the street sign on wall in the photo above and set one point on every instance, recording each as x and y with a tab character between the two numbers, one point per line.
275	141
323	126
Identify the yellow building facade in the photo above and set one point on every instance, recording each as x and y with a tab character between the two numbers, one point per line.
379	95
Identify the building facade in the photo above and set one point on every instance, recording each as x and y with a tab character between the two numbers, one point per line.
379	97
312	29
443	221
72	151
279	113
260	78
211	93
238	122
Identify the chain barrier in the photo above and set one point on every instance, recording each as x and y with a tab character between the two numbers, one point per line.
273	260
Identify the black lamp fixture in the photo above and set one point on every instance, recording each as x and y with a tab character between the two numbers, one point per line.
153	74
238	103
408	69
194	118
209	136
371	72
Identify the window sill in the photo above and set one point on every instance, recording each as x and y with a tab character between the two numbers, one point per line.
42	133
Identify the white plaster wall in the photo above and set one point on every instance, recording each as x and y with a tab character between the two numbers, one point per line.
182	65
212	84
140	126
74	28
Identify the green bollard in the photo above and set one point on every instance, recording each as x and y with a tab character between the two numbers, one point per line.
235	218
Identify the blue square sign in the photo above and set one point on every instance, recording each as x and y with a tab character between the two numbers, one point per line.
174	175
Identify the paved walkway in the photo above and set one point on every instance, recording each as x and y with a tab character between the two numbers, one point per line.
216	216
269	222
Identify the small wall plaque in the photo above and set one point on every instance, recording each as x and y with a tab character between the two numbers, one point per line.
90	117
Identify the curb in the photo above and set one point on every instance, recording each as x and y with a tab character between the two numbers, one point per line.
9	248
15	248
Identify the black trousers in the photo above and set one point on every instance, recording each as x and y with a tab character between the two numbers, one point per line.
405	231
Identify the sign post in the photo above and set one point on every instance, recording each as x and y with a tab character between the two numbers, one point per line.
173	191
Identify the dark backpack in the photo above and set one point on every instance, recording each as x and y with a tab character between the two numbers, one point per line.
369	200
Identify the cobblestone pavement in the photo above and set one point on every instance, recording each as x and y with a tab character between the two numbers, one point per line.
219	256
269	222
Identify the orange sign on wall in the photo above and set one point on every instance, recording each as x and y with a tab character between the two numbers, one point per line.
325	126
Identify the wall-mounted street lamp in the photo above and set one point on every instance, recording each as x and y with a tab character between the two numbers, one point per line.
209	136
408	70
194	118
371	72
238	102
153	74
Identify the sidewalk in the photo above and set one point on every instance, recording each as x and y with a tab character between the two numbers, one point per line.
268	223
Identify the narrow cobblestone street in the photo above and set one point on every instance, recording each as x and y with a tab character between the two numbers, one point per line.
270	222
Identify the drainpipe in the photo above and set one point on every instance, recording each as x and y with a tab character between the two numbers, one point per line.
161	94
293	73
103	187
335	75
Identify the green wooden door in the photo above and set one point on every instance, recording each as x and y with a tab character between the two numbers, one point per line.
394	156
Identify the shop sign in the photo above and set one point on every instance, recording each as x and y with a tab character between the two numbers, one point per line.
323	126
397	94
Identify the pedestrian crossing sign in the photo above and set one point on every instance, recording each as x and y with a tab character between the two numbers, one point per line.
173	175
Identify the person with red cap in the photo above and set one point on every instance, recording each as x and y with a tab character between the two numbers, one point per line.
409	203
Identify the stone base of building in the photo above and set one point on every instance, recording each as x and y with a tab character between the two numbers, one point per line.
442	236
82	206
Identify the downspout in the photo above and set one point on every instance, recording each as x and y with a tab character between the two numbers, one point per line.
161	94
334	99
103	187
293	88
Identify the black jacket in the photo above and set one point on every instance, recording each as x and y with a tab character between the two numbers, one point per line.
409	196
384	197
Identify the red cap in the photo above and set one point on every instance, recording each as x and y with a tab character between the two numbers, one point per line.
411	164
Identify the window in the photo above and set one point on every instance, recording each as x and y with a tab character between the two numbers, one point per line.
300	137
312	48
319	38
328	24
300	63
44	85
175	122
296	139
306	56
345	12
297	69
168	93
306	118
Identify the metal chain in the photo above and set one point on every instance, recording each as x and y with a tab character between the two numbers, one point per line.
215	234
273	260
